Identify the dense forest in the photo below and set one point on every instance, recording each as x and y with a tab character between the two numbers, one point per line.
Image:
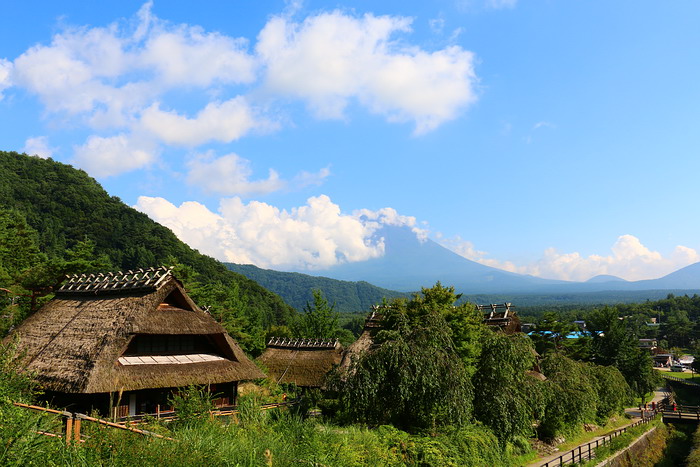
58	210
297	289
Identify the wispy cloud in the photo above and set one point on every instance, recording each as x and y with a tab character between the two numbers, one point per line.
500	4
38	146
542	124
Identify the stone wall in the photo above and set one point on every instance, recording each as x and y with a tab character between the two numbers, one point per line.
645	451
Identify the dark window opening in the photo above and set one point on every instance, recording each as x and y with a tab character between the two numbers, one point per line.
149	344
175	299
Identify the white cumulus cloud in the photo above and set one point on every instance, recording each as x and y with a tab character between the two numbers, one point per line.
139	79
105	156
333	57
38	146
629	259
228	175
187	55
231	175
5	71
389	216
225	122
315	235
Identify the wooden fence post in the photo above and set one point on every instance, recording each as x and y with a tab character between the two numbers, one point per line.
68	428
76	430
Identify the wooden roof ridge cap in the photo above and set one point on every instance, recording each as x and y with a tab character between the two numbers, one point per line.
303	343
149	278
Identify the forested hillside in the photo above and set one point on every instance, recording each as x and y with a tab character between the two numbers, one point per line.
297	289
64	206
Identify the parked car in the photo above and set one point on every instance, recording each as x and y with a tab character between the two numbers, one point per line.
677	368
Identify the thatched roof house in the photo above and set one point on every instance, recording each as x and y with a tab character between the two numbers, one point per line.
373	324
502	316
129	333
304	362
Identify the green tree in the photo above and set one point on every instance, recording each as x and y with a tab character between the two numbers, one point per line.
318	320
614	345
614	394
678	328
465	322
27	274
505	396
570	396
413	380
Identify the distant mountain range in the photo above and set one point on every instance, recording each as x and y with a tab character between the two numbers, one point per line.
410	263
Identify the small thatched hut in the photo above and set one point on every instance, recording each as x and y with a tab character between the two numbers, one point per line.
502	316
304	362
373	324
126	341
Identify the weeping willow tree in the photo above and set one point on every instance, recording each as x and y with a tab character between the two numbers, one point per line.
507	399
414	380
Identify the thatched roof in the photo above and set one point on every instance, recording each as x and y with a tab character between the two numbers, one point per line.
73	344
502	316
373	324
304	362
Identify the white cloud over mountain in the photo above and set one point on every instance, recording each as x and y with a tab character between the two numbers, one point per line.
629	259
318	235
104	156
313	236
38	146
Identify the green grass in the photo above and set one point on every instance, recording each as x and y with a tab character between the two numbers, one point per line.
694	377
284	438
621	442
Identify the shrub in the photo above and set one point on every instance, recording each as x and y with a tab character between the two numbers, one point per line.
192	405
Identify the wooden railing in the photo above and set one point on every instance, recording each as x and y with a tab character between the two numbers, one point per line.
225	411
72	421
680	380
586	451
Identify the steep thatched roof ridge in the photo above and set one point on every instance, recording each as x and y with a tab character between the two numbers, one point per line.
73	343
373	324
141	279
304	366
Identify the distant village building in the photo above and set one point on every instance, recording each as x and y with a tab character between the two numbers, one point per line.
502	316
648	344
304	362
663	360
127	341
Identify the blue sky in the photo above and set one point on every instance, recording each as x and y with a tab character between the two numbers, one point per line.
554	138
